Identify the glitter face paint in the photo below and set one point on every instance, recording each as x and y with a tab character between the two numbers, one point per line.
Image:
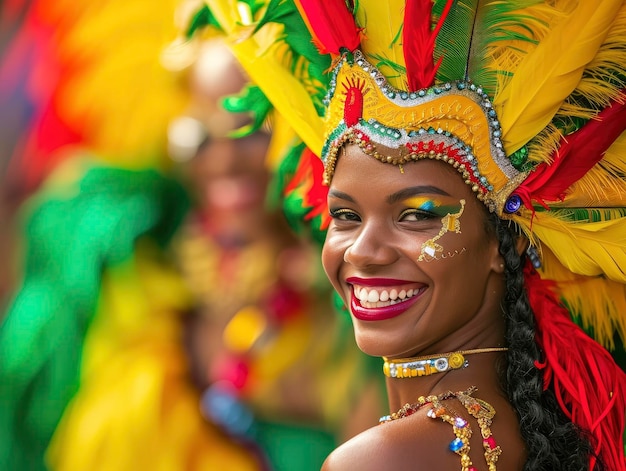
450	213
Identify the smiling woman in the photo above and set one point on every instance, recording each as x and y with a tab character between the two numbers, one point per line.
473	156
404	305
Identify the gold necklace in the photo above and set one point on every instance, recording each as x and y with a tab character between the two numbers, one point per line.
429	364
482	411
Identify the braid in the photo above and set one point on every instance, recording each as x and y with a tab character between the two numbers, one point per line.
553	441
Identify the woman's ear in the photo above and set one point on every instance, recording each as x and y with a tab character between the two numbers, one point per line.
521	244
497	260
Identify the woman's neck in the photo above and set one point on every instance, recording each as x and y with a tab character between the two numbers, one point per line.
482	371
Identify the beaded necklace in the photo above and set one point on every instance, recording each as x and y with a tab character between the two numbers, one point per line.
429	364
482	411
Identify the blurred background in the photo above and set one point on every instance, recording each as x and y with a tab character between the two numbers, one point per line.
156	309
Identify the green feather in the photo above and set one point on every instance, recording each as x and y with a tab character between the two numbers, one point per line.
391	69
250	100
306	62
204	17
590	214
200	20
471	30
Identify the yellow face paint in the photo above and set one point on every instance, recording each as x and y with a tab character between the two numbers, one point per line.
434	205
449	223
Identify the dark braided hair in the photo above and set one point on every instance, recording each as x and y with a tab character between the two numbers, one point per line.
553	441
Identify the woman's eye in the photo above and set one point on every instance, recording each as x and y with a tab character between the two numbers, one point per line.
416	215
344	215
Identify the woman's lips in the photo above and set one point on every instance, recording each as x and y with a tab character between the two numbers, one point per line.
379	299
379	313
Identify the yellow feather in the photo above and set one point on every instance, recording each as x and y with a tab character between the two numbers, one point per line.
600	303
529	101
383	39
265	64
585	248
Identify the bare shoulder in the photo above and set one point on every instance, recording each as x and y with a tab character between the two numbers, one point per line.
417	443
407	444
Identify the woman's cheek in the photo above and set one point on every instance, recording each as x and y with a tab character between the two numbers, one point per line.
331	256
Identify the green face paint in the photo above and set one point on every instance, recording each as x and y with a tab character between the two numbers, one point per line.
437	206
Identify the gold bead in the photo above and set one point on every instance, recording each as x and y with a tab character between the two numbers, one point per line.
456	360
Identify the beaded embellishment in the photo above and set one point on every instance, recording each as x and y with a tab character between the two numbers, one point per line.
453	122
430	364
482	411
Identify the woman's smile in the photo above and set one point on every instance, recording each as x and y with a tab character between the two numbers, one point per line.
380	299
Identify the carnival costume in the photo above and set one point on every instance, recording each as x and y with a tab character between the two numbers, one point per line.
524	98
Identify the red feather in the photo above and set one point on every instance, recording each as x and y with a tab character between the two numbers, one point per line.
331	24
589	386
418	42
576	155
308	180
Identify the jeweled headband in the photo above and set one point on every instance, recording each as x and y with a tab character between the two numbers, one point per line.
452	122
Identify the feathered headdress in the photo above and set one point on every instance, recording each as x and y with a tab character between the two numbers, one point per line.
526	99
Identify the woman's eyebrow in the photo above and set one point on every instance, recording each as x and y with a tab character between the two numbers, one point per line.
340	195
413	191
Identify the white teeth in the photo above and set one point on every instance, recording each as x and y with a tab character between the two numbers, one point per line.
372	297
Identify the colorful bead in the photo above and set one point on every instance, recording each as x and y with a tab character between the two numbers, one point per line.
519	158
429	364
481	410
456	444
490	442
460	422
513	204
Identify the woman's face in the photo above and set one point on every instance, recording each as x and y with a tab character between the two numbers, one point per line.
410	254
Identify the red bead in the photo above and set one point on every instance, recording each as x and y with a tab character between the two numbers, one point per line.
490	441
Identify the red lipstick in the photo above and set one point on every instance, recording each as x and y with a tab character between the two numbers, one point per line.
384	312
354	280
380	313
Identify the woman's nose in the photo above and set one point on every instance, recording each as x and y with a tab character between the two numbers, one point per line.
371	246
